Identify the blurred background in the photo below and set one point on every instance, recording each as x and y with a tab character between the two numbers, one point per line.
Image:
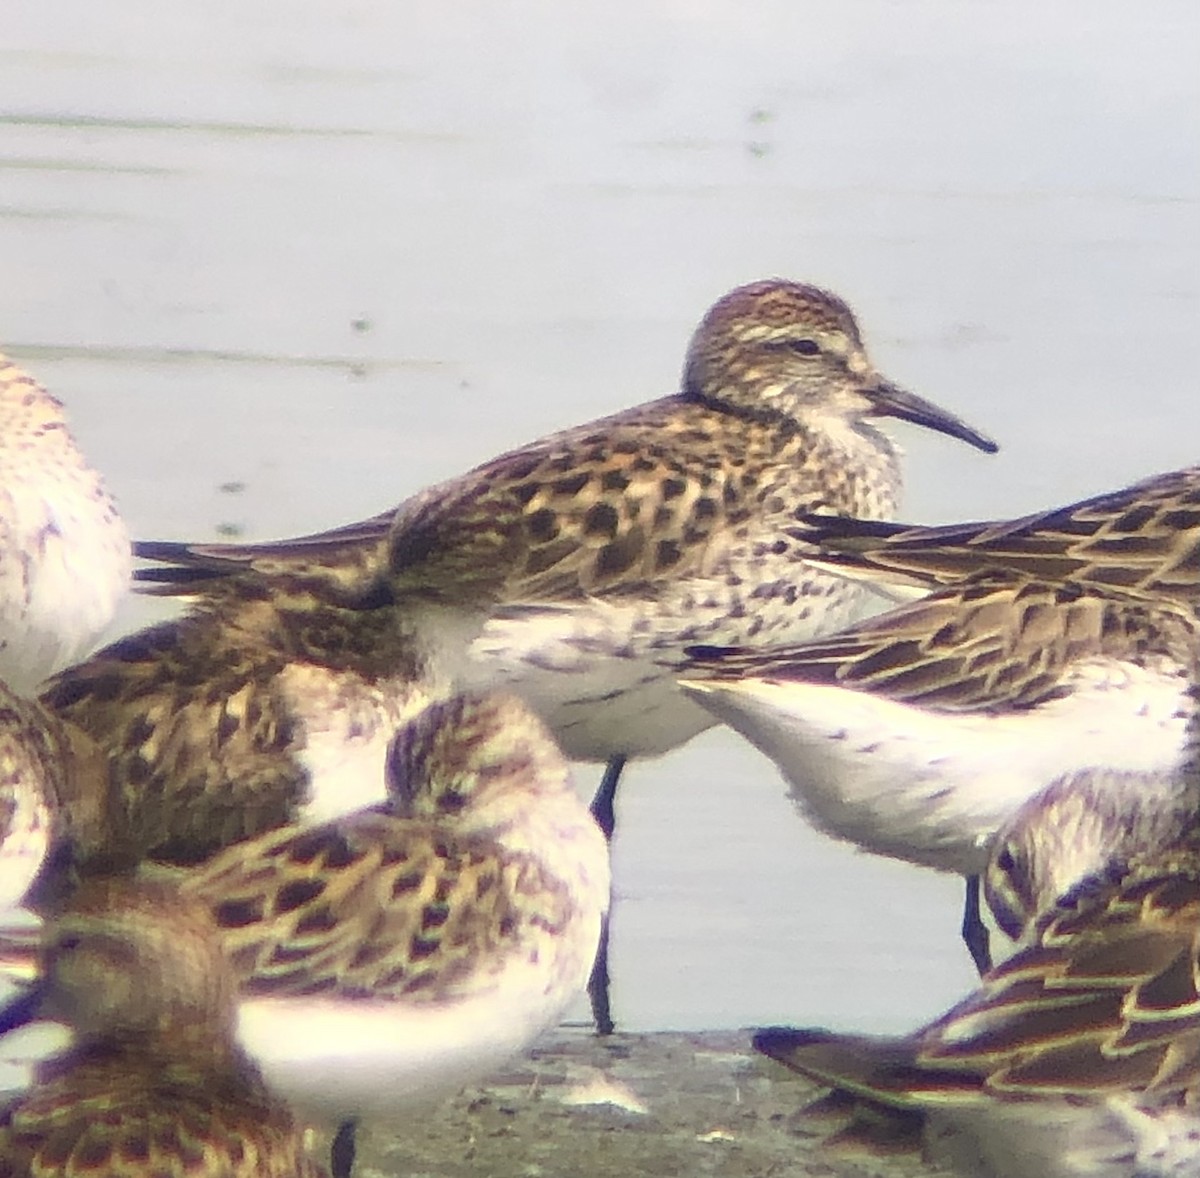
289	262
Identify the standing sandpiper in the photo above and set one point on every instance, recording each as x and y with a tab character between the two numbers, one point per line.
64	552
599	553
605	549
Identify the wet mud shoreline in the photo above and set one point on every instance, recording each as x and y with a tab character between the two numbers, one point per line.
670	1103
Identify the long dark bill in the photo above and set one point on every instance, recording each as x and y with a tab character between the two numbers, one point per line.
892	401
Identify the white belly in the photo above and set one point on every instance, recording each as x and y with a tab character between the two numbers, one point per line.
337	1059
66	567
602	675
933	787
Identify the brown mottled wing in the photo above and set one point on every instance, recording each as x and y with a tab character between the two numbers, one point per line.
993	641
342	564
1145	538
105	1122
375	905
1107	1001
197	737
609	508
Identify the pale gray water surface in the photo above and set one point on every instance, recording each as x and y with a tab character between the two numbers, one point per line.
288	262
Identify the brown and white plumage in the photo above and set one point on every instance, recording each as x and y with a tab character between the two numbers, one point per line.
409	947
237	718
52	779
1142	539
590	558
154	1083
1080	1055
596	554
919	732
64	551
1083	827
426	940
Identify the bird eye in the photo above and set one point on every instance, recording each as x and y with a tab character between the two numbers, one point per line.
805	347
69	943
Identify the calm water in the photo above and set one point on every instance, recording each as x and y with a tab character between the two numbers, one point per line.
288	262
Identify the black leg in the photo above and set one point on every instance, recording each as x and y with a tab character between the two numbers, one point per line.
605	815
602	803
598	986
974	931
341	1156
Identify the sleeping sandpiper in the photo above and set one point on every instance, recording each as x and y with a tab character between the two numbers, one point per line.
1078	1055
154	1083
64	552
243	715
49	771
389	956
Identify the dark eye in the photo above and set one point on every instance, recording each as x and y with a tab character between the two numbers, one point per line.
805	347
69	943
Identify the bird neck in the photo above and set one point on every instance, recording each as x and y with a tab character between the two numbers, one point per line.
761	412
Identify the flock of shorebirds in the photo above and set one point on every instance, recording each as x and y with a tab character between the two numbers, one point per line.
312	853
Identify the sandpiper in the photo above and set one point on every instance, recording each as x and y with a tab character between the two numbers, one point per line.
64	552
1142	539
1078	1056
154	1083
607	548
918	733
1083	824
595	555
245	714
389	956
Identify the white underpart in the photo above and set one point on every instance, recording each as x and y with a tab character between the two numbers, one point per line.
67	568
346	732
336	1059
603	691
344	774
933	787
564	664
340	1057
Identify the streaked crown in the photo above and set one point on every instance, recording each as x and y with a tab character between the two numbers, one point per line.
460	754
773	335
1083	827
785	350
